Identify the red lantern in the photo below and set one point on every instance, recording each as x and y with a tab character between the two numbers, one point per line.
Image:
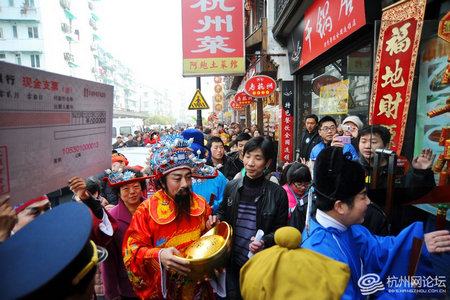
260	86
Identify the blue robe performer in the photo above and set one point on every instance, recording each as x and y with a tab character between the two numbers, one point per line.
379	266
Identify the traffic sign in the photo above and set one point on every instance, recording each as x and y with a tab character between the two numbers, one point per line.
198	102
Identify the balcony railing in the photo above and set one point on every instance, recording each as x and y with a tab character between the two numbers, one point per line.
66	28
68	57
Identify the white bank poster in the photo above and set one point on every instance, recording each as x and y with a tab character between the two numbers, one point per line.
52	128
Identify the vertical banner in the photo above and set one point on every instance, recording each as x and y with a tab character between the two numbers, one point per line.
287	121
218	94
398	45
213	37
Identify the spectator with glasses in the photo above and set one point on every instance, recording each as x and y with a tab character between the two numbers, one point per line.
328	132
298	180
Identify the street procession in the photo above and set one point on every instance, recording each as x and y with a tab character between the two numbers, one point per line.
224	149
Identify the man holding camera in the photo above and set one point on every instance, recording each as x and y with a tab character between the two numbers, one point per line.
328	132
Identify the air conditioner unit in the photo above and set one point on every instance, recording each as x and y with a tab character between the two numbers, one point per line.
66	28
68	57
65	4
91	6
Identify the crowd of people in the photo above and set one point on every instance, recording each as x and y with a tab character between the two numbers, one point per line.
145	217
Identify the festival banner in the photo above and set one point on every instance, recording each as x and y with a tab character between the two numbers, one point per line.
287	122
218	94
213	37
333	98
398	45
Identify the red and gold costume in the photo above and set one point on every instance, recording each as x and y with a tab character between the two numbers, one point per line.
155	226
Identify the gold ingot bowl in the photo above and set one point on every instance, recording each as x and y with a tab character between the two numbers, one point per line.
211	251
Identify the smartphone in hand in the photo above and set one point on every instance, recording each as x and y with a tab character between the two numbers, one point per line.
345	139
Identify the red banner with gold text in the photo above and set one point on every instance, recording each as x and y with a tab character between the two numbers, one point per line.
398	44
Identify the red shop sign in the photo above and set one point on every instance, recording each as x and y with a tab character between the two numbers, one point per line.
243	99
260	86
213	37
327	23
235	106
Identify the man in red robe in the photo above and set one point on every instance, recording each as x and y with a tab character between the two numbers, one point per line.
167	223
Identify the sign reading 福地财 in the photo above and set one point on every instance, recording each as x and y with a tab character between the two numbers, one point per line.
53	127
213	37
401	27
260	86
287	121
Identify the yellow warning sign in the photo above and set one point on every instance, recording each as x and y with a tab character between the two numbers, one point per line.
198	102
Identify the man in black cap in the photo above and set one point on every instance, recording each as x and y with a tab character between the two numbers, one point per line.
335	232
61	262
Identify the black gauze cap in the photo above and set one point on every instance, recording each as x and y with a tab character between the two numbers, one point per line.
336	177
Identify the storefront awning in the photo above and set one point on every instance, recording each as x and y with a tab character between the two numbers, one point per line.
69	15
72	65
96	37
71	39
95	17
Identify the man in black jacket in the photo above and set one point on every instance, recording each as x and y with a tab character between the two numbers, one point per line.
251	203
417	181
310	137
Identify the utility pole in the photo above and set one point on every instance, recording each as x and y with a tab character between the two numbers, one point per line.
199	111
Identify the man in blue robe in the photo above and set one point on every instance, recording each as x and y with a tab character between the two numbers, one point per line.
378	265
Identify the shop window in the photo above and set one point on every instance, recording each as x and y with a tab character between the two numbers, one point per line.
340	89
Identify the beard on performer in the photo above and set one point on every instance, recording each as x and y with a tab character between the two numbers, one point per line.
183	200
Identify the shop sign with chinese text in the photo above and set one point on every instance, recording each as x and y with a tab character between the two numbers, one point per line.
213	37
243	99
326	23
260	86
234	105
287	122
398	44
